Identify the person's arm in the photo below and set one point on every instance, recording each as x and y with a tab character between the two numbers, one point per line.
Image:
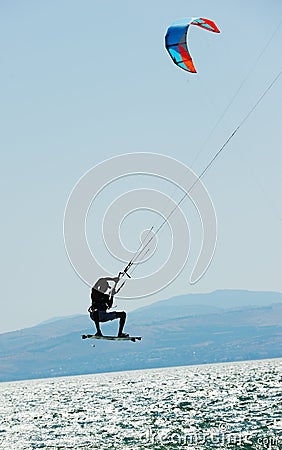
113	290
98	282
110	301
116	280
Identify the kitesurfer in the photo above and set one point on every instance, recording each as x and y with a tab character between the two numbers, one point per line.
102	295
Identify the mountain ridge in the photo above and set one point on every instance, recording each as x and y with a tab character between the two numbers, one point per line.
174	333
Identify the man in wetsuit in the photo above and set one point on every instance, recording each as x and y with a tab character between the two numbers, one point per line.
102	295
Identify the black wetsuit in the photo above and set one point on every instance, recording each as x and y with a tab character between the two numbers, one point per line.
100	301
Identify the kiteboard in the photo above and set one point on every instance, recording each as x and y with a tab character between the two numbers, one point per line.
112	338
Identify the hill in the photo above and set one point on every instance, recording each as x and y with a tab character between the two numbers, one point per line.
193	329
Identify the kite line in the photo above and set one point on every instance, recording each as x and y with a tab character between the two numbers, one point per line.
143	247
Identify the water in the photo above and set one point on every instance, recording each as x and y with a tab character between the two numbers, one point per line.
224	406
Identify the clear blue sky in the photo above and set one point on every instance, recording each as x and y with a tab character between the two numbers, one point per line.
85	81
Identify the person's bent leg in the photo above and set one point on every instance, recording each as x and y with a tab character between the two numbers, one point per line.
95	317
121	315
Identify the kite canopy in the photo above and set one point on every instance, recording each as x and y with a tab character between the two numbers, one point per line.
176	40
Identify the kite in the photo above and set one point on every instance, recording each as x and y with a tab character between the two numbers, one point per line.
176	40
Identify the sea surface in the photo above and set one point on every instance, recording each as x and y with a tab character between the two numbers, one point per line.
218	406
